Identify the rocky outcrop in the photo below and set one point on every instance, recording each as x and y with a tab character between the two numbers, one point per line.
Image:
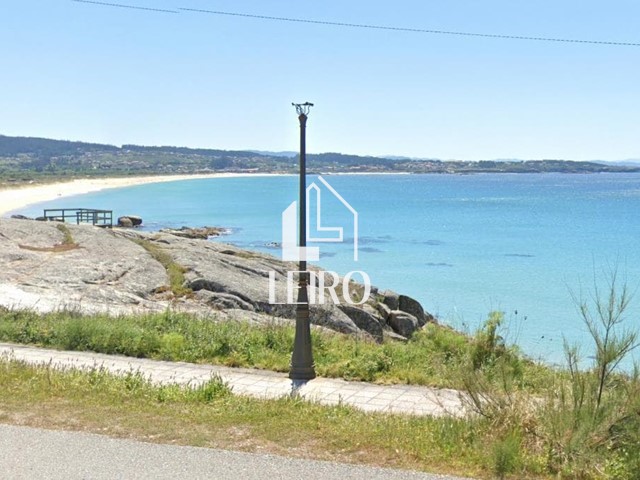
224	301
129	221
202	233
252	277
104	274
112	271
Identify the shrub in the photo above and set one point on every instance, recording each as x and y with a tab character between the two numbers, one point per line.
506	455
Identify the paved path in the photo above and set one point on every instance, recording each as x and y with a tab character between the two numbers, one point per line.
403	399
34	454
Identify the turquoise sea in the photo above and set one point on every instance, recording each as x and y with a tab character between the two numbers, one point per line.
462	245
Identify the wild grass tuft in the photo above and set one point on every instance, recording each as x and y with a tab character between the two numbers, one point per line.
67	236
175	272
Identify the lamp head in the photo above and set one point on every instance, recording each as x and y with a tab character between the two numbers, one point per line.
303	108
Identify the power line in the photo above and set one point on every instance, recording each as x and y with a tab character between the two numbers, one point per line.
407	29
121	5
367	26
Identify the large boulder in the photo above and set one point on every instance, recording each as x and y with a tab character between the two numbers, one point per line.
413	307
129	221
137	221
125	222
403	323
364	320
391	299
329	316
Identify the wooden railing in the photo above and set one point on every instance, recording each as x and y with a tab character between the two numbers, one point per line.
99	218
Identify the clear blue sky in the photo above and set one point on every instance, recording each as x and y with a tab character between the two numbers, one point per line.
87	72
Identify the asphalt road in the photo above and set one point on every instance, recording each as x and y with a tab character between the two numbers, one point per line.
31	453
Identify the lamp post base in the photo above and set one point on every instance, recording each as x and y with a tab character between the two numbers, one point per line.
302	374
302	367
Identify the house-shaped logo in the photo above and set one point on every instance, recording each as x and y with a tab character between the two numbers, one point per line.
335	234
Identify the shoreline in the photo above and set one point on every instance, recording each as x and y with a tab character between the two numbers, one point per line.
14	198
21	196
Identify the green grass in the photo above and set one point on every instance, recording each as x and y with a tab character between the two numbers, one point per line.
530	420
209	416
175	271
432	357
67	236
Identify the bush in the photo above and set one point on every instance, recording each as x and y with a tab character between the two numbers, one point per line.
506	455
488	344
586	424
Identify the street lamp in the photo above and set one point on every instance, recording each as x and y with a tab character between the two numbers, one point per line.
302	367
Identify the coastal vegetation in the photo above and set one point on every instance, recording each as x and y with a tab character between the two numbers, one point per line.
210	416
525	420
175	272
25	159
431	357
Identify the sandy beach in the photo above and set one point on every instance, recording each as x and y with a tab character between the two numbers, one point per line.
14	198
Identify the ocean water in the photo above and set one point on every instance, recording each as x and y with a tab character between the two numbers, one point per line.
462	245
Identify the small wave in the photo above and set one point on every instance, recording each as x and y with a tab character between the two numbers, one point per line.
370	250
370	240
431	242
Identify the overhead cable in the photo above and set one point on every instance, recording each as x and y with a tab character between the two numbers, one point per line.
364	26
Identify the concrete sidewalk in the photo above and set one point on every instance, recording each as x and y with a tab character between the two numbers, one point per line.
401	399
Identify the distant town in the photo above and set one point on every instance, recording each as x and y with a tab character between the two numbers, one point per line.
25	159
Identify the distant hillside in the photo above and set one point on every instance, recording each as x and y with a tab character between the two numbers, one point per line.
27	158
287	154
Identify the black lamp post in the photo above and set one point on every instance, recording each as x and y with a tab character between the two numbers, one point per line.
302	367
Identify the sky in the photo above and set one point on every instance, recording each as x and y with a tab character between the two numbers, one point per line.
88	72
